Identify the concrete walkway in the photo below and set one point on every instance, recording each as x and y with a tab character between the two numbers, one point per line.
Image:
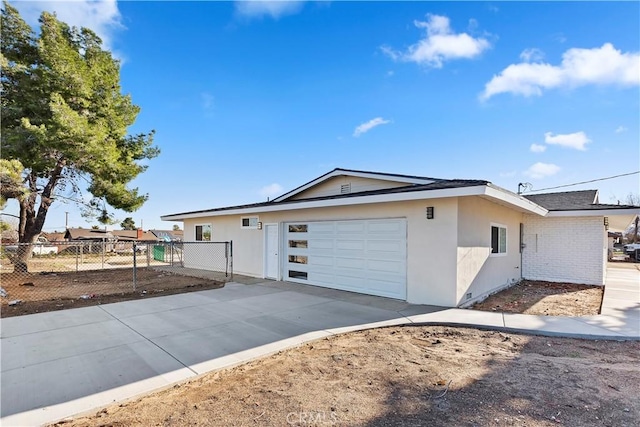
58	364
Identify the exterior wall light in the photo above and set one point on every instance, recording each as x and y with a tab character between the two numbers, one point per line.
430	212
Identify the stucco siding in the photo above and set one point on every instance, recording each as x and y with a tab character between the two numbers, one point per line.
332	186
565	249
431	244
479	272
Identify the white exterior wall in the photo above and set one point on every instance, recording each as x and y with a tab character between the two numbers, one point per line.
565	249
431	244
481	273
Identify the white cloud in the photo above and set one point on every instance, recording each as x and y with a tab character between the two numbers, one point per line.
577	140
367	126
621	129
271	190
274	9
579	67
541	170
439	44
537	148
102	16
532	55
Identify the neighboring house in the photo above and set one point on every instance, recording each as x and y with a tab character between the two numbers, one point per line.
87	234
134	235
54	237
424	240
168	235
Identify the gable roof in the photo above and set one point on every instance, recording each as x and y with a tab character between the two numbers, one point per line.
439	188
408	179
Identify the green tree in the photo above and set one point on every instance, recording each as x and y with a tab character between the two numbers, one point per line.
128	224
176	227
64	122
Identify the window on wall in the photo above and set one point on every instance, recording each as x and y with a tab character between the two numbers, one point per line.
498	239
203	233
249	222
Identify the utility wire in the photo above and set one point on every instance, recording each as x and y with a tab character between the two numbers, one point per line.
584	182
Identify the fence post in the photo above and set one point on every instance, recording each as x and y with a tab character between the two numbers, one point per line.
134	267
171	256
77	255
148	254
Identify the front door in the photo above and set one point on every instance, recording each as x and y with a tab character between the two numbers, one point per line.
271	251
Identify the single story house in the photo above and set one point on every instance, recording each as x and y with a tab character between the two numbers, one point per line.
446	242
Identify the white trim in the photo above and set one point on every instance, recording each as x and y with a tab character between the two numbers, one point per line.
204	224
342	172
506	243
265	237
491	193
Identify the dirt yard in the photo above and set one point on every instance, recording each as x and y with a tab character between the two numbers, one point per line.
546	298
407	376
40	292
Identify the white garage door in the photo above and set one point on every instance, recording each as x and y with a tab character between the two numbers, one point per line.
366	256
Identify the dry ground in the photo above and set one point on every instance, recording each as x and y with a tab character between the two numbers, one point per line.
546	298
42	292
407	376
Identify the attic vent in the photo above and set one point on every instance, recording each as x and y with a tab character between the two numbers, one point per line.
345	188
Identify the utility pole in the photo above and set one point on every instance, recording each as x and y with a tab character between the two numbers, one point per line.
635	235
141	224
66	220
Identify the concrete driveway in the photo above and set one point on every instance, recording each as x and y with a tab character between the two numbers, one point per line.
61	363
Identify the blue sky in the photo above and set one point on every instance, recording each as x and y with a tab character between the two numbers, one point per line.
250	100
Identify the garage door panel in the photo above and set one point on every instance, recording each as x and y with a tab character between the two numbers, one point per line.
321	228
321	261
388	246
386	266
386	227
321	244
357	263
366	256
350	227
350	245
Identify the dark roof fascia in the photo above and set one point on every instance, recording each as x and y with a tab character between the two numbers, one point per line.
597	207
443	184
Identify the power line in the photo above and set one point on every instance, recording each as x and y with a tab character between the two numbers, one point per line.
585	182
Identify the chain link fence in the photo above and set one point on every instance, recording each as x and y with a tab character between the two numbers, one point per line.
91	269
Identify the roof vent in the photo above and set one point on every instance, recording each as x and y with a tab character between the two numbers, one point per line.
345	188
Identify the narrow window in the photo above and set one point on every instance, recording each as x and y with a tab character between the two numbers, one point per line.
298	228
498	240
203	233
298	259
298	243
301	275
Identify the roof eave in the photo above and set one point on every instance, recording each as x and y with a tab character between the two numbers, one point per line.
490	192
